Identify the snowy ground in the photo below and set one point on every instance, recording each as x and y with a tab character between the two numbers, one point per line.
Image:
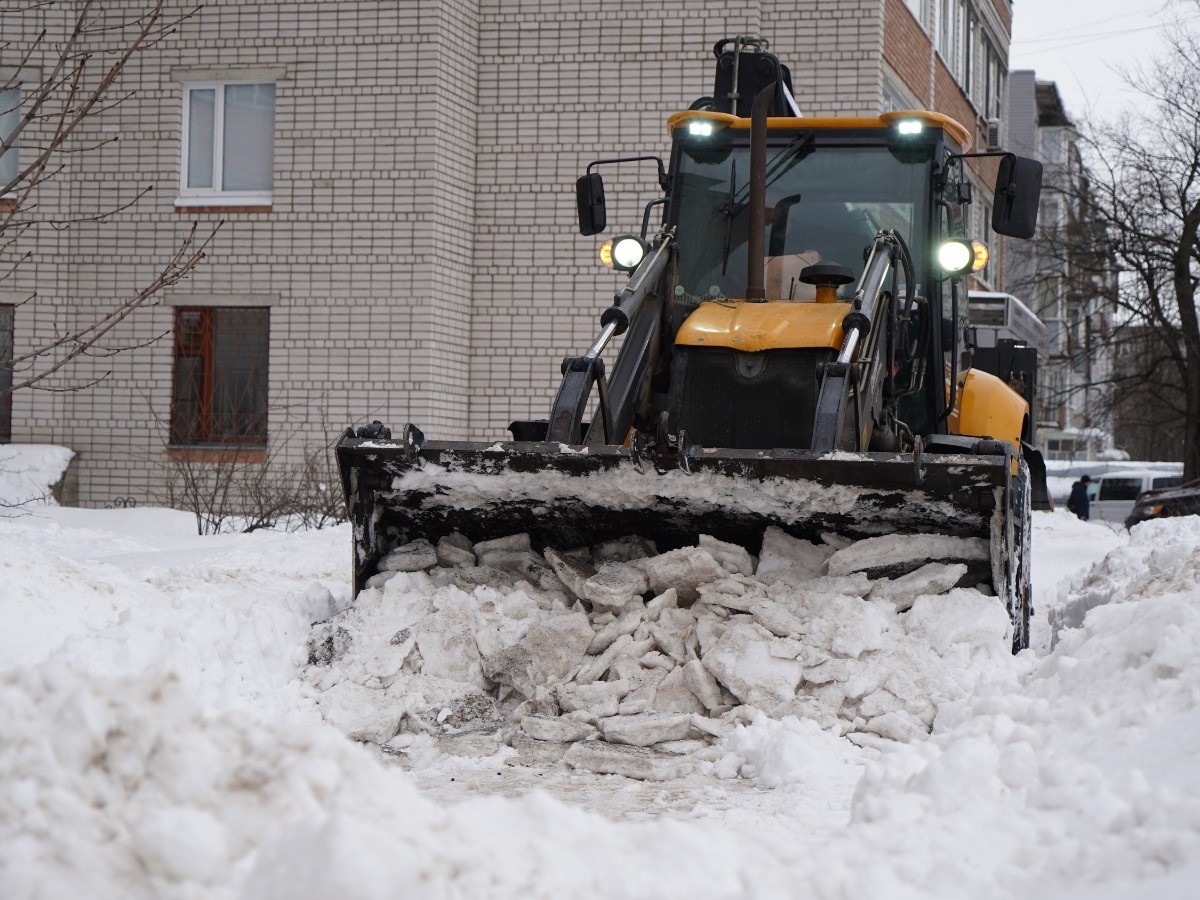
158	738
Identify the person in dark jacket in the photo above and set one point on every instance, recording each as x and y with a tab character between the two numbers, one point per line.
1079	502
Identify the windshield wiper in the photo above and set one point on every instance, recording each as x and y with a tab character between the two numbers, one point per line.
730	208
776	167
778	164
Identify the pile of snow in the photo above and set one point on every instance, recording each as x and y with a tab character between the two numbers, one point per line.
1163	554
620	659
1064	546
1073	774
175	752
28	471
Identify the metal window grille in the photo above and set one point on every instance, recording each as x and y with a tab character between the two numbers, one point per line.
6	372
220	386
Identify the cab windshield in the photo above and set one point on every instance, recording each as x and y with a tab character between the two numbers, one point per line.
824	203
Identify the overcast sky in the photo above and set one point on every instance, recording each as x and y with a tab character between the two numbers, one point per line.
1081	44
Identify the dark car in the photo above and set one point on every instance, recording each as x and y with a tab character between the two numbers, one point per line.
1177	501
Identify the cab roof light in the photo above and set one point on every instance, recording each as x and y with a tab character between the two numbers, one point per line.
700	128
910	126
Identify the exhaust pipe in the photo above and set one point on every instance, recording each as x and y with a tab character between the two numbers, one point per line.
755	258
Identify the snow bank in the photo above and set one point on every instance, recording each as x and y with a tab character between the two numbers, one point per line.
28	470
46	599
1064	546
173	752
471	648
1161	551
1076	767
127	788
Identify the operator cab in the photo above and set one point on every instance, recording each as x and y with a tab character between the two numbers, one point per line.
746	373
805	281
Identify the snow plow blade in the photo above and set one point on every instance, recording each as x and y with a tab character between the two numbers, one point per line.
398	491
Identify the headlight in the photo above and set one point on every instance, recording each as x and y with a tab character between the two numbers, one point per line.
605	254
956	257
628	250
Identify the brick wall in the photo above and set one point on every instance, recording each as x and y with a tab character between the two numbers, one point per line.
907	49
909	52
547	110
420	257
365	257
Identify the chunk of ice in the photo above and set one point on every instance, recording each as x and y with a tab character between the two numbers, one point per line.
645	729
632	762
412	557
685	570
904	552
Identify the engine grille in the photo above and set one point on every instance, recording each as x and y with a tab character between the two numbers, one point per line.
746	401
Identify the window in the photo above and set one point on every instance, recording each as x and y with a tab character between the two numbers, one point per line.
1052	144
1119	488
969	40
6	372
996	75
219	394
946	29
919	9
228	142
10	102
894	98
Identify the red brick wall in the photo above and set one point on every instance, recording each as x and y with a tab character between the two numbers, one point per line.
906	47
1004	8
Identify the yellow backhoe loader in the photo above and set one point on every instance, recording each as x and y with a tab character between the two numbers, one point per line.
795	354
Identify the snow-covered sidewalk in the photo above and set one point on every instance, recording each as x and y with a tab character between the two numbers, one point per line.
157	739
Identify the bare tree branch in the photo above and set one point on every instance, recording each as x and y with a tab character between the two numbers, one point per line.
83	66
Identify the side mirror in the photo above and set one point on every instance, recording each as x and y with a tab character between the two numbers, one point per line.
1018	190
589	197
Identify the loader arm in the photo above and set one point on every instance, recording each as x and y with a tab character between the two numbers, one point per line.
847	381
583	373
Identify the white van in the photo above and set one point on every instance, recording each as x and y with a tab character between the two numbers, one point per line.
1060	474
1113	493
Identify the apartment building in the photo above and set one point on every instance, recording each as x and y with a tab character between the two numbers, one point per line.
394	188
1069	279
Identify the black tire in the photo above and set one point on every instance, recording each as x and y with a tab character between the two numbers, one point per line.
1020	604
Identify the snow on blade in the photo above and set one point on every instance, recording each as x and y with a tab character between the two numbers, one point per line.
785	498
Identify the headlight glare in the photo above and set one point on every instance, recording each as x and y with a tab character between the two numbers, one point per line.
956	257
628	250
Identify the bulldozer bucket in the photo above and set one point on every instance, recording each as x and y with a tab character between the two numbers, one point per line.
399	491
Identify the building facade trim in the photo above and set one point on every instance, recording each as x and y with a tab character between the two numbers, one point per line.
229	72
222	300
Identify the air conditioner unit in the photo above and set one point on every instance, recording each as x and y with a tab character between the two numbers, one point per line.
994	140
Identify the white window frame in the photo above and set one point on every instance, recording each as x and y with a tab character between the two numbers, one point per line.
15	149
213	196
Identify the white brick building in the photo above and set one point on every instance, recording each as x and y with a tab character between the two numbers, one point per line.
396	181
